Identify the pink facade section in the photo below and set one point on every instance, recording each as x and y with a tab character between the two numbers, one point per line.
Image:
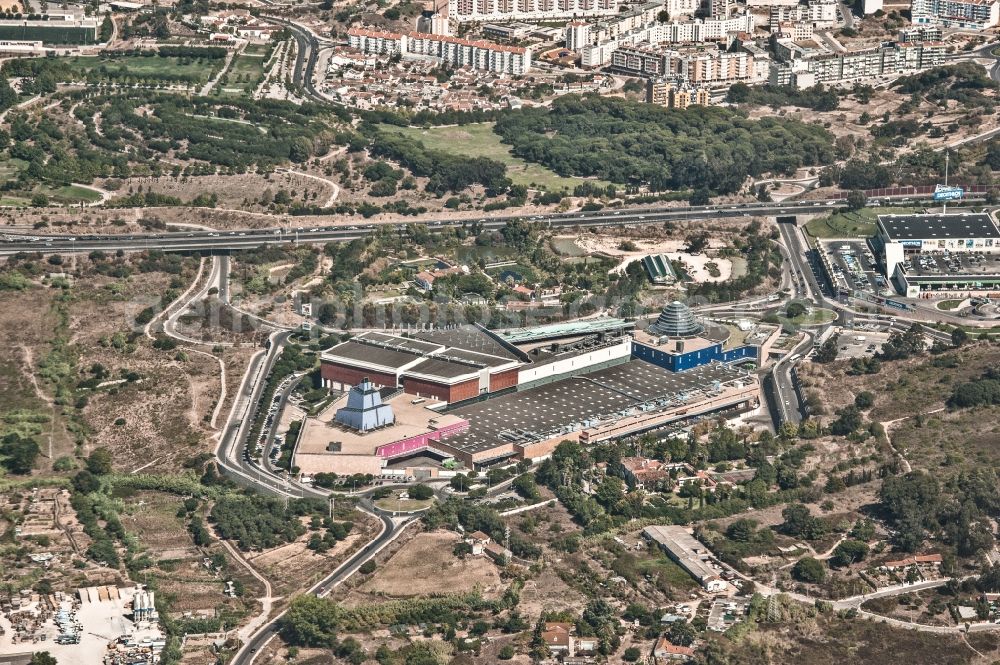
420	441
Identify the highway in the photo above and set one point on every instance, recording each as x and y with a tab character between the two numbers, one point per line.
306	53
203	240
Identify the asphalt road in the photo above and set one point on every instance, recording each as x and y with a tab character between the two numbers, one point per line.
231	456
14	242
306	53
249	652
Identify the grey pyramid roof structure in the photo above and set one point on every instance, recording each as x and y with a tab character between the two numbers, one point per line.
364	410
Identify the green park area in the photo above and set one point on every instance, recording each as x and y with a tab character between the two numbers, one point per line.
479	140
851	224
149	66
58	195
244	73
400	505
814	317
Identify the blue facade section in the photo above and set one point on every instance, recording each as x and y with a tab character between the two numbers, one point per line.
678	362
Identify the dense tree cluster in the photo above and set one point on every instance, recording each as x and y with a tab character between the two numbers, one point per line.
964	82
627	142
139	128
817	98
472	517
902	345
983	391
18	452
958	512
445	172
257	522
828	350
316	622
102	535
807	569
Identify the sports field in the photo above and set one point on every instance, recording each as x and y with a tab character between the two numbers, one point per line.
478	140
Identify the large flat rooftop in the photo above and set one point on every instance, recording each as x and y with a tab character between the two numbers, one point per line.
945	267
558	330
686	550
402	343
354	352
437	368
569	403
938	226
430	358
468	338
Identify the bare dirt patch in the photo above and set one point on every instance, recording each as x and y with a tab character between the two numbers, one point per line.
426	565
294	567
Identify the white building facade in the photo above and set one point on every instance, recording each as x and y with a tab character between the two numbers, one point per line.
471	11
484	55
966	14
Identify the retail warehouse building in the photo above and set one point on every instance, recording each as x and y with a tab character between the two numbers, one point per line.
940	252
482	397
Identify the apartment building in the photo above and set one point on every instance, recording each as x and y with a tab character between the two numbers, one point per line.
796	31
577	35
377	42
676	94
434	24
470	11
886	60
484	55
640	60
695	31
920	33
642	16
700	67
720	8
820	13
712	68
967	14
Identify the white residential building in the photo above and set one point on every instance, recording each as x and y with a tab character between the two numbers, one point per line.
577	35
485	55
820	13
467	11
860	64
694	31
967	14
434	24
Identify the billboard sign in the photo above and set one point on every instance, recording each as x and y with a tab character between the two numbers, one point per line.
945	193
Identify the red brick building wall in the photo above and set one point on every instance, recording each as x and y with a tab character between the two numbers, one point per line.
502	380
352	376
455	393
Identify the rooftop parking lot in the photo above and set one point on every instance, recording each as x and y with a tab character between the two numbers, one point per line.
932	264
569	403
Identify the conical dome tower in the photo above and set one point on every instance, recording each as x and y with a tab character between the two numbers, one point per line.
677	320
